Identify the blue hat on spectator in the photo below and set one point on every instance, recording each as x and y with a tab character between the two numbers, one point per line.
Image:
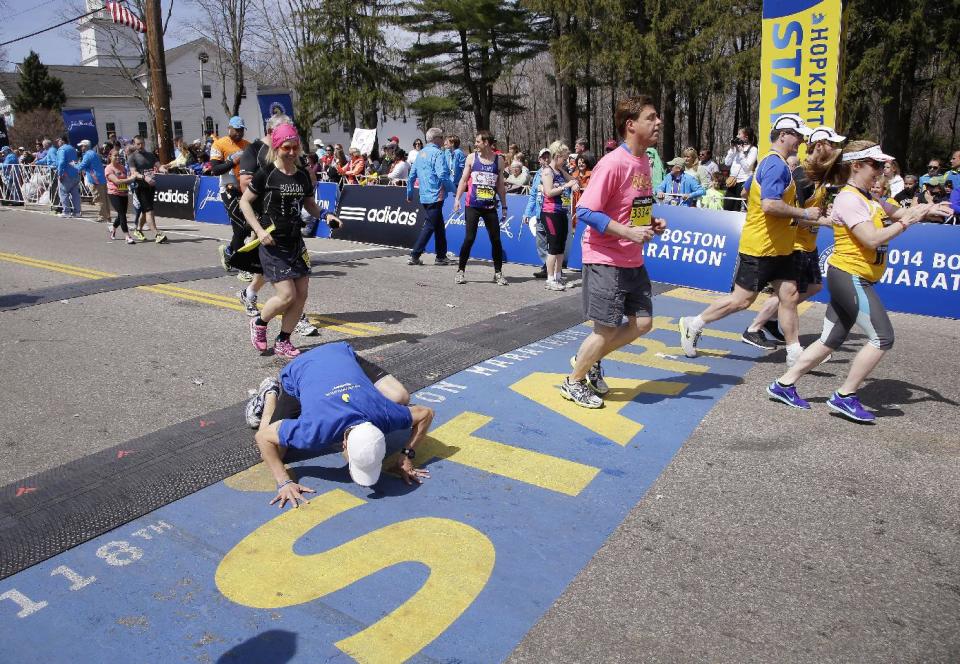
5	149
237	122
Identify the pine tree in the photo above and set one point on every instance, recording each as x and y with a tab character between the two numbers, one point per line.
470	46
38	89
349	74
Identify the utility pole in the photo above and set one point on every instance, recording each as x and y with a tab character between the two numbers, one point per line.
159	92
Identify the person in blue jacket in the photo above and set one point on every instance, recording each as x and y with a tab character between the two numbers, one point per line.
69	177
677	187
92	167
11	176
456	159
433	174
532	214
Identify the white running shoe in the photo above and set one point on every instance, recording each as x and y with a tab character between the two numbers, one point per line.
305	328
688	340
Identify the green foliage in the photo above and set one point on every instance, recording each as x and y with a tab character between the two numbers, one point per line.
38	89
349	74
900	83
470	45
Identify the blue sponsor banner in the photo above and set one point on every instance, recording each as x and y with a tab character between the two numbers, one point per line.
210	208
271	105
80	125
698	249
326	194
923	271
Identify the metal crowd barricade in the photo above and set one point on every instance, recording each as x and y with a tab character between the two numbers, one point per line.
34	185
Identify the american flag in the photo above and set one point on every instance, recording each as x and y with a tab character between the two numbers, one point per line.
121	14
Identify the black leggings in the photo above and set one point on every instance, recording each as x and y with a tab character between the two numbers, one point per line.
853	301
119	205
241	231
472	216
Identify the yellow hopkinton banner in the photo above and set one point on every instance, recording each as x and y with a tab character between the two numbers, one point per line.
799	63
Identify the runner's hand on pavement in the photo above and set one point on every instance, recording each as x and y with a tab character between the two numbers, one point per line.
292	492
409	473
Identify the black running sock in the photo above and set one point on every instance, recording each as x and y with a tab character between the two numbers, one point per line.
259	321
785	384
283	336
845	396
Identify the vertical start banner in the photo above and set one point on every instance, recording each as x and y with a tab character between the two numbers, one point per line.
799	63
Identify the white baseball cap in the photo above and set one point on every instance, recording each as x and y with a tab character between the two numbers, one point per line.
366	448
794	122
824	133
874	152
85	143
317	141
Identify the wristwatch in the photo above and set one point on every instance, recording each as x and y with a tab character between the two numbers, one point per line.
409	453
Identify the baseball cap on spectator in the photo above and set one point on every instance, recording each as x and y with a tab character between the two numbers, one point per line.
197	141
85	143
394	139
610	145
676	161
824	133
317	141
366	447
793	122
544	151
237	122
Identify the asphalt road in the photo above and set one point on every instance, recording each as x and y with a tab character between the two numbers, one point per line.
772	536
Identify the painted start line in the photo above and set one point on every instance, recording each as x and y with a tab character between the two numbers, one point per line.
526	487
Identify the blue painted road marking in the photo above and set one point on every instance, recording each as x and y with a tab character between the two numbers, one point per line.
525	488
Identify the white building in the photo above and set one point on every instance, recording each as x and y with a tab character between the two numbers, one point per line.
109	82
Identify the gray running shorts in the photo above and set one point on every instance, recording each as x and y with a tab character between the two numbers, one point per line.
610	293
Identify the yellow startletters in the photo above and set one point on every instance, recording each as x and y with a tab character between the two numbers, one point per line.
262	571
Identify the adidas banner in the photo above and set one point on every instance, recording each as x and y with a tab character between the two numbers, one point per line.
175	196
379	215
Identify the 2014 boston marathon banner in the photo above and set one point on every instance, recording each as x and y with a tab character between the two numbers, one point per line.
799	62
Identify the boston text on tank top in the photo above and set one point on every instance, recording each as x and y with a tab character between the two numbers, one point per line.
482	188
559	203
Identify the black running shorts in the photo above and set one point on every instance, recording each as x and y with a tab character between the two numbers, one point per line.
807	268
754	273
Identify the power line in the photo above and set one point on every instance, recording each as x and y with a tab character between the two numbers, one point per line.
52	27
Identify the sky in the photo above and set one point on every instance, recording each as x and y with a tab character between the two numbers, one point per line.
62	45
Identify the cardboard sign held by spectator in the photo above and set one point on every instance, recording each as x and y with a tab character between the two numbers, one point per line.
363	140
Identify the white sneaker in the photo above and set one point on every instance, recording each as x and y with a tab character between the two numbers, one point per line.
688	340
305	328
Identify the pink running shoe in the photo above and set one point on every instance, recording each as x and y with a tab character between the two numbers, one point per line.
258	335
285	349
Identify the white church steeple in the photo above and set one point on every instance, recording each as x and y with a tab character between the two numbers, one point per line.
104	43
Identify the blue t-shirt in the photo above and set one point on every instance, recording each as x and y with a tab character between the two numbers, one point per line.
334	395
774	178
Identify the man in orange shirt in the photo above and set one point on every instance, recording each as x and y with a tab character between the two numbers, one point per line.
224	159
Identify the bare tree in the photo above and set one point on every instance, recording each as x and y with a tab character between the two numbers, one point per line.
228	22
123	40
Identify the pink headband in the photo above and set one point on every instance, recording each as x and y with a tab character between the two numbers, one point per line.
283	134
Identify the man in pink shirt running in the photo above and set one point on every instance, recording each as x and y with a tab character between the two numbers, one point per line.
616	207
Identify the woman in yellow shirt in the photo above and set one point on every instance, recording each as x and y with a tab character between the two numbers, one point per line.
858	261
